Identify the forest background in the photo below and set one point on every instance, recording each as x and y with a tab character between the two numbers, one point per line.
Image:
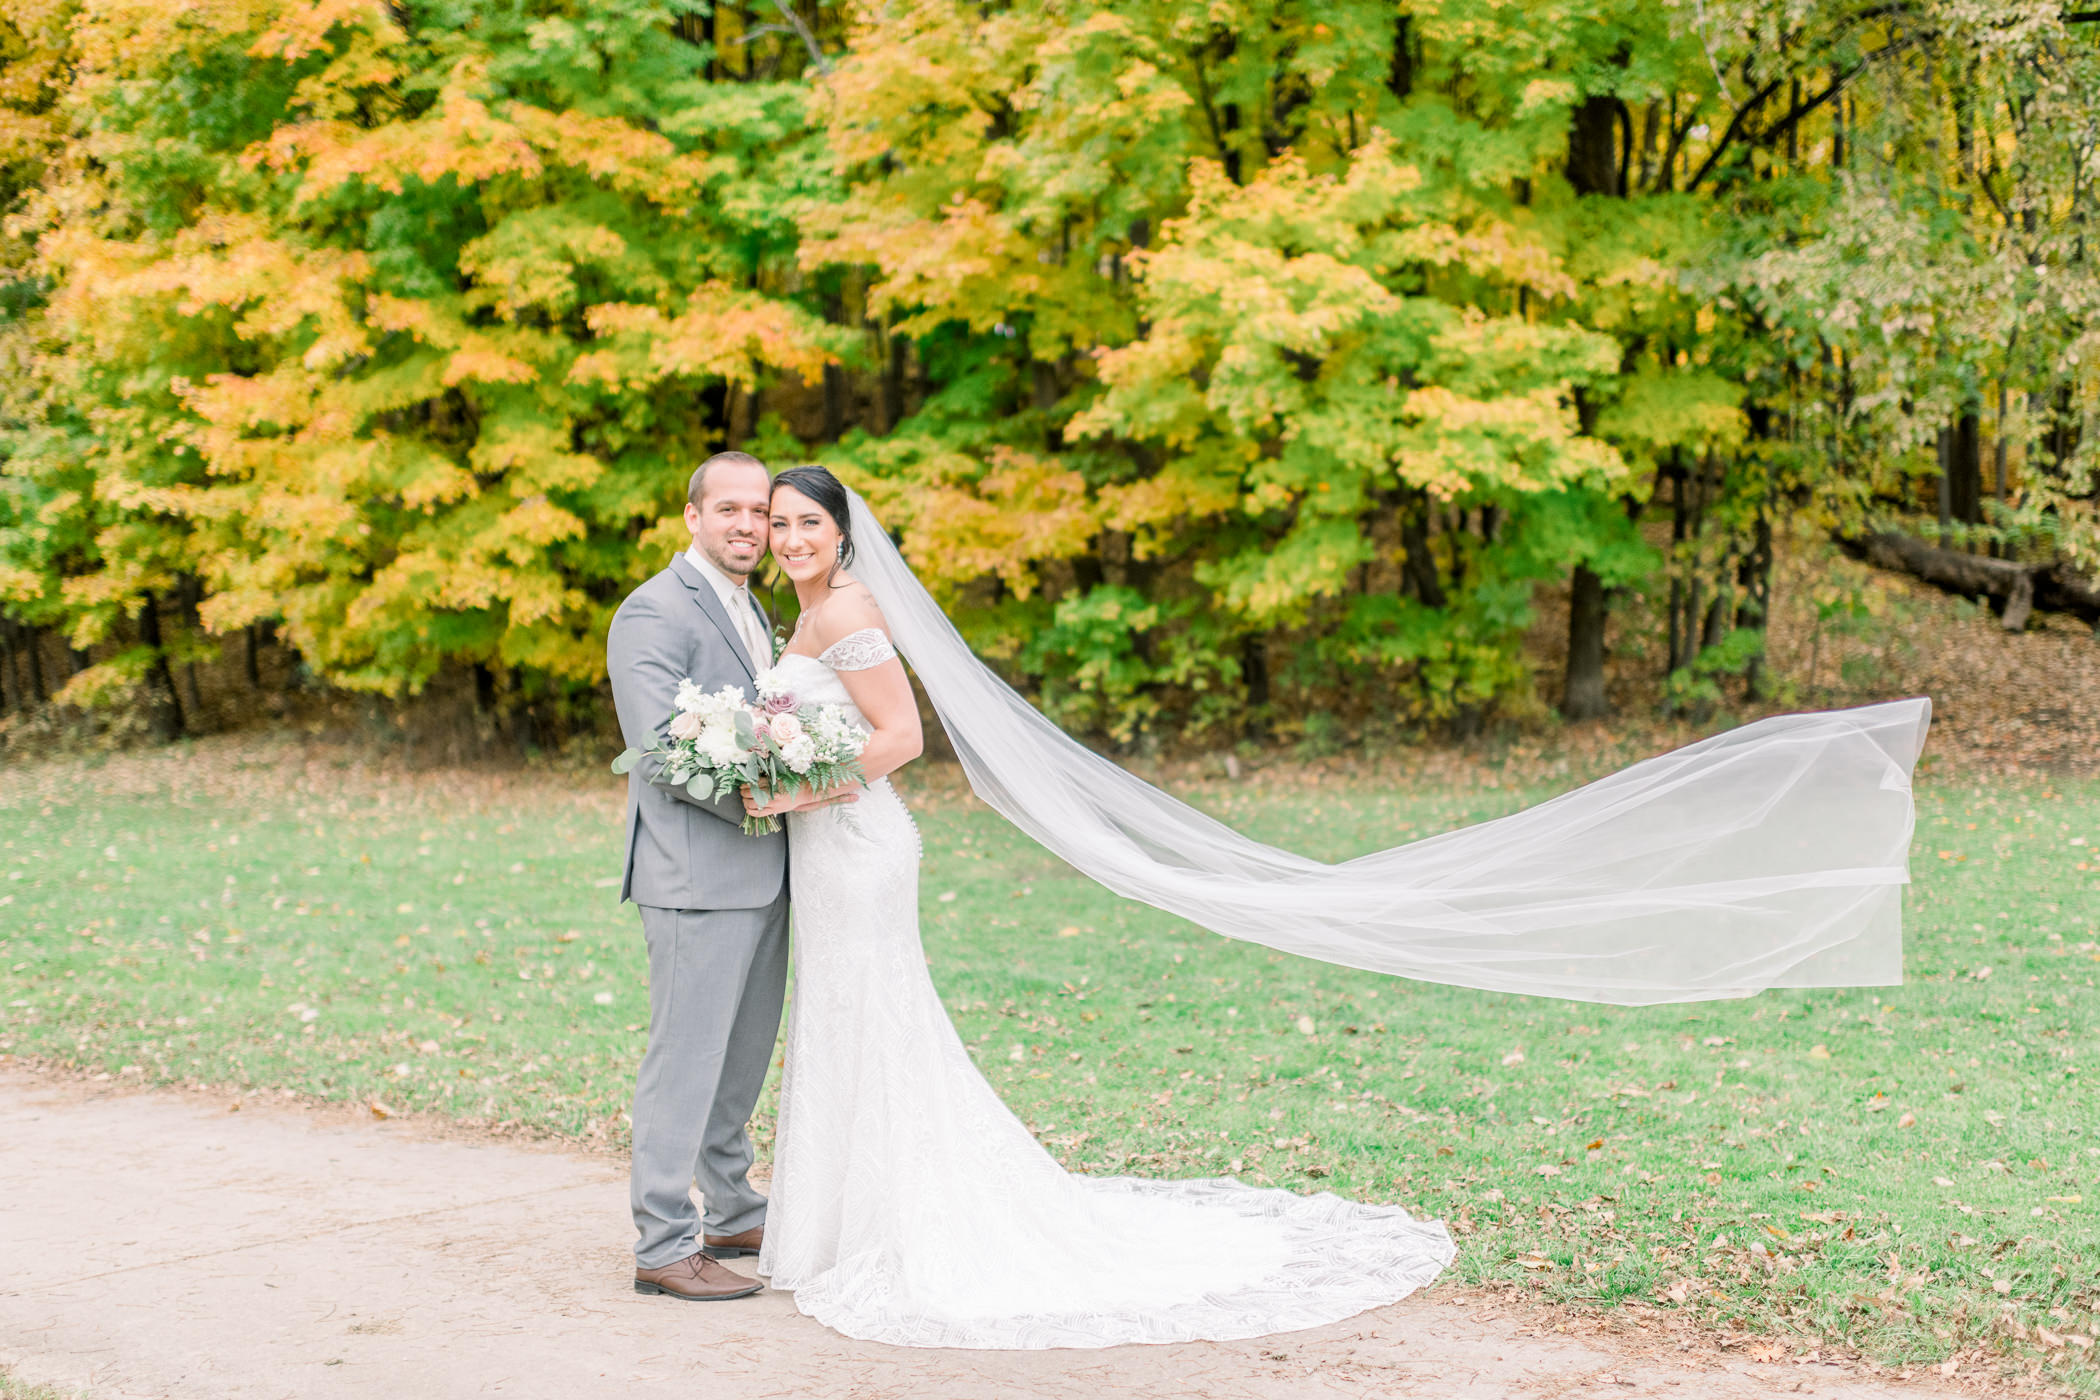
1232	371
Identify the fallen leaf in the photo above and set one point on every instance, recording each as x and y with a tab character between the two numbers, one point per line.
1906	1120
380	1110
1819	1052
1305	1025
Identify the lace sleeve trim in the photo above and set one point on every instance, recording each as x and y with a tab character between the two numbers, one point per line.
857	651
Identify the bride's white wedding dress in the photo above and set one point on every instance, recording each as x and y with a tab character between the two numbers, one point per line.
910	1206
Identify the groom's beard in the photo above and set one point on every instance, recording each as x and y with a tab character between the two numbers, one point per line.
718	555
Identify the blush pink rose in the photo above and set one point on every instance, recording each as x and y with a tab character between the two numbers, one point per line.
786	729
686	726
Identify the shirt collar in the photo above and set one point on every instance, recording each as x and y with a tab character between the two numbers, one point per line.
726	588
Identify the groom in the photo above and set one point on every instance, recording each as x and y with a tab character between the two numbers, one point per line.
714	901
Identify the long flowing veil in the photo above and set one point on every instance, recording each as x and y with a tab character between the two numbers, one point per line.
1773	855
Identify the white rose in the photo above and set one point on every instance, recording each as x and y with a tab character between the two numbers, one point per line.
786	729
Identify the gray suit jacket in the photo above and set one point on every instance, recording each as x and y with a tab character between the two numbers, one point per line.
683	854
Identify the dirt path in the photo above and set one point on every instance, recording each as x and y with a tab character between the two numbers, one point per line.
160	1245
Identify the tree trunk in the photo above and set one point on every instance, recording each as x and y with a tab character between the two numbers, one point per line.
2063	429
189	593
1400	76
1582	694
1593	158
1420	563
1754	576
894	364
33	643
163	707
1965	468
254	664
1254	672
1945	447
834	402
1713	629
11	697
2016	588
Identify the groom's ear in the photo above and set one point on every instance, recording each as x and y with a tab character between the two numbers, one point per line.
692	517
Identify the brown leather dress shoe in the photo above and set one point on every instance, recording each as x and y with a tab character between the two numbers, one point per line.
734	1246
696	1279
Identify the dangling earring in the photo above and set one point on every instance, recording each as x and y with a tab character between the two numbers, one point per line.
841	552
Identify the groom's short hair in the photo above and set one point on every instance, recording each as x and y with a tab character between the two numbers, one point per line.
696	489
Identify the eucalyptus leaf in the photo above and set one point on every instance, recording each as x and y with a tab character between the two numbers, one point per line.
626	761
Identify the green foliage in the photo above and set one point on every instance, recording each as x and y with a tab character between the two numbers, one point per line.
1317	340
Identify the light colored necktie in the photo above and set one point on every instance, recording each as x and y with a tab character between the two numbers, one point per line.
749	628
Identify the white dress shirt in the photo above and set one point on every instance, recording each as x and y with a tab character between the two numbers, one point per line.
738	603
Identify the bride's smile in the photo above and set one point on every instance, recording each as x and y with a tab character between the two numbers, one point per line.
806	543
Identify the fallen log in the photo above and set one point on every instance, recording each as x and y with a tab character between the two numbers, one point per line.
2015	589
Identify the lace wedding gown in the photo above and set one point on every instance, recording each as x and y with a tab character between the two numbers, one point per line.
910	1206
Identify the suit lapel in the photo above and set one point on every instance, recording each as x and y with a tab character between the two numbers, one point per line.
704	595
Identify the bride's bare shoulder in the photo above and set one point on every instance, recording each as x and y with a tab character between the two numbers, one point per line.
850	608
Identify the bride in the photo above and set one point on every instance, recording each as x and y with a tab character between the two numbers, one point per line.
910	1206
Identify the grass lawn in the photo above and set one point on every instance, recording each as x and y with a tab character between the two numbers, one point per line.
1906	1171
12	1389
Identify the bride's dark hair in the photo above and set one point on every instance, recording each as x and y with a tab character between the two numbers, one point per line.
829	493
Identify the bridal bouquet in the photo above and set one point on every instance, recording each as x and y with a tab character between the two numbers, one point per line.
717	743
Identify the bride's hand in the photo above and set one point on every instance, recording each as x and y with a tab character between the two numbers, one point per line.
776	805
782	803
832	798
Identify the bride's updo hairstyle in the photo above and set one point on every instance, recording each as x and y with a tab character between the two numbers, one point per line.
829	493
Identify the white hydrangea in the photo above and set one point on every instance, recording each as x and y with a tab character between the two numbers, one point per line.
694	700
718	744
799	753
771	683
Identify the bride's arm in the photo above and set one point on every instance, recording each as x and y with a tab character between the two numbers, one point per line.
875	678
883	694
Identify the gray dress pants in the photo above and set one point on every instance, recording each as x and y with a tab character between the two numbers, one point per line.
717	978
